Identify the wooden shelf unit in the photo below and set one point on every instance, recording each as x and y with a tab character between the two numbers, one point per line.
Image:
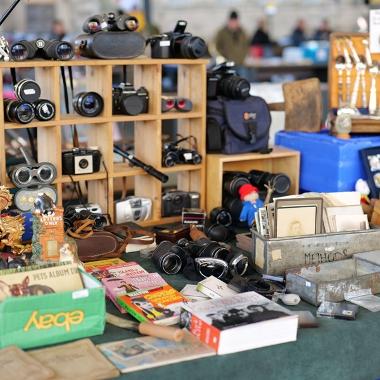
147	127
281	160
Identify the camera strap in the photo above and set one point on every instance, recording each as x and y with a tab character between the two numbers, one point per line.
67	104
13	75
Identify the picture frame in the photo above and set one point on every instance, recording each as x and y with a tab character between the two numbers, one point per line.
371	162
295	217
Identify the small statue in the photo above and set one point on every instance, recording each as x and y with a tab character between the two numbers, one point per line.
251	203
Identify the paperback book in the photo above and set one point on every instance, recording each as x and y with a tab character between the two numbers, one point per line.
240	322
136	354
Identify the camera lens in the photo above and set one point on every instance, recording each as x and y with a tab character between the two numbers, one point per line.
28	90
168	257
131	105
233	182
280	182
197	159
88	104
170	160
190	47
44	110
83	163
235	87
18	112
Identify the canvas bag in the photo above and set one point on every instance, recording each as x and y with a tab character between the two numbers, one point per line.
237	126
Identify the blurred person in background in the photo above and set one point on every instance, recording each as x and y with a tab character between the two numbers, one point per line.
298	35
231	41
261	36
323	32
58	30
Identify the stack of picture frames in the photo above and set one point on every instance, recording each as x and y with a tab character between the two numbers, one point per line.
311	214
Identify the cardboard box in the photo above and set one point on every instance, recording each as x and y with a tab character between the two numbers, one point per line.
275	256
35	321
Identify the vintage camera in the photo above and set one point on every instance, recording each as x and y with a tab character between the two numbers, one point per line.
128	101
279	181
58	50
222	80
173	154
109	36
88	211
174	201
177	44
81	161
133	209
88	104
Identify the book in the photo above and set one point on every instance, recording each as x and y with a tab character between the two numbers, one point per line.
141	353
192	294
39	280
214	288
240	322
16	364
102	269
159	305
80	360
124	284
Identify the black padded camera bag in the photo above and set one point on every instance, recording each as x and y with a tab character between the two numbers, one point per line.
237	126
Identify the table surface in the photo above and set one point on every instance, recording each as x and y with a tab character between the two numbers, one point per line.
337	350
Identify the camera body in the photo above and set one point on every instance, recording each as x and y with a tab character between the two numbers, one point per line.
40	48
81	161
222	80
177	44
174	201
133	209
173	154
88	211
126	100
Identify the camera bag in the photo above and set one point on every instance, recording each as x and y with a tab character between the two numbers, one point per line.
104	244
237	126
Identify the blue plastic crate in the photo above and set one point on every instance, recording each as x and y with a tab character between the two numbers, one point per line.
327	163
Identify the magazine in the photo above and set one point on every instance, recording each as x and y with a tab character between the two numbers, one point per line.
136	354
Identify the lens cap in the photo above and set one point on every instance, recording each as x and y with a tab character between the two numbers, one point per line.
28	90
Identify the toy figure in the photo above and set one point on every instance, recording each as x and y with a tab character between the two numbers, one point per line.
251	203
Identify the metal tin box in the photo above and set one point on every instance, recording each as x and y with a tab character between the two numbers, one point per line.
329	281
368	261
274	256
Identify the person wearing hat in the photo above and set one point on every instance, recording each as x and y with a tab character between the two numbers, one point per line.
249	195
231	41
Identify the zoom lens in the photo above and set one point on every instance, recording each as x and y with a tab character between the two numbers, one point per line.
89	104
18	112
235	87
233	181
28	90
190	47
280	181
168	257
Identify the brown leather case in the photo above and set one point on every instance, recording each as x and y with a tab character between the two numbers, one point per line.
173	232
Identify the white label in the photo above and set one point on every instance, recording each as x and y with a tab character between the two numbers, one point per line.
347	312
188	156
164	43
308	284
374	30
29	91
83	293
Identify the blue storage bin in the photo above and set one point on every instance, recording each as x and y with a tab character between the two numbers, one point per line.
327	163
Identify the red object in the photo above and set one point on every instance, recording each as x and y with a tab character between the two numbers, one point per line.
247	189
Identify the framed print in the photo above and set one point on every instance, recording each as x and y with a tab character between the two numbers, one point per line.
371	162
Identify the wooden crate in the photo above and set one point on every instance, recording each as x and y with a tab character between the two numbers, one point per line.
148	127
281	160
362	124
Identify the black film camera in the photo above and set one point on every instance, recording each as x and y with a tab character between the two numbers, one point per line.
177	44
222	80
173	154
88	104
28	106
58	50
128	101
174	201
81	161
74	213
109	36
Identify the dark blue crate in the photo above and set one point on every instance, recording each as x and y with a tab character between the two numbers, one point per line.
327	163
